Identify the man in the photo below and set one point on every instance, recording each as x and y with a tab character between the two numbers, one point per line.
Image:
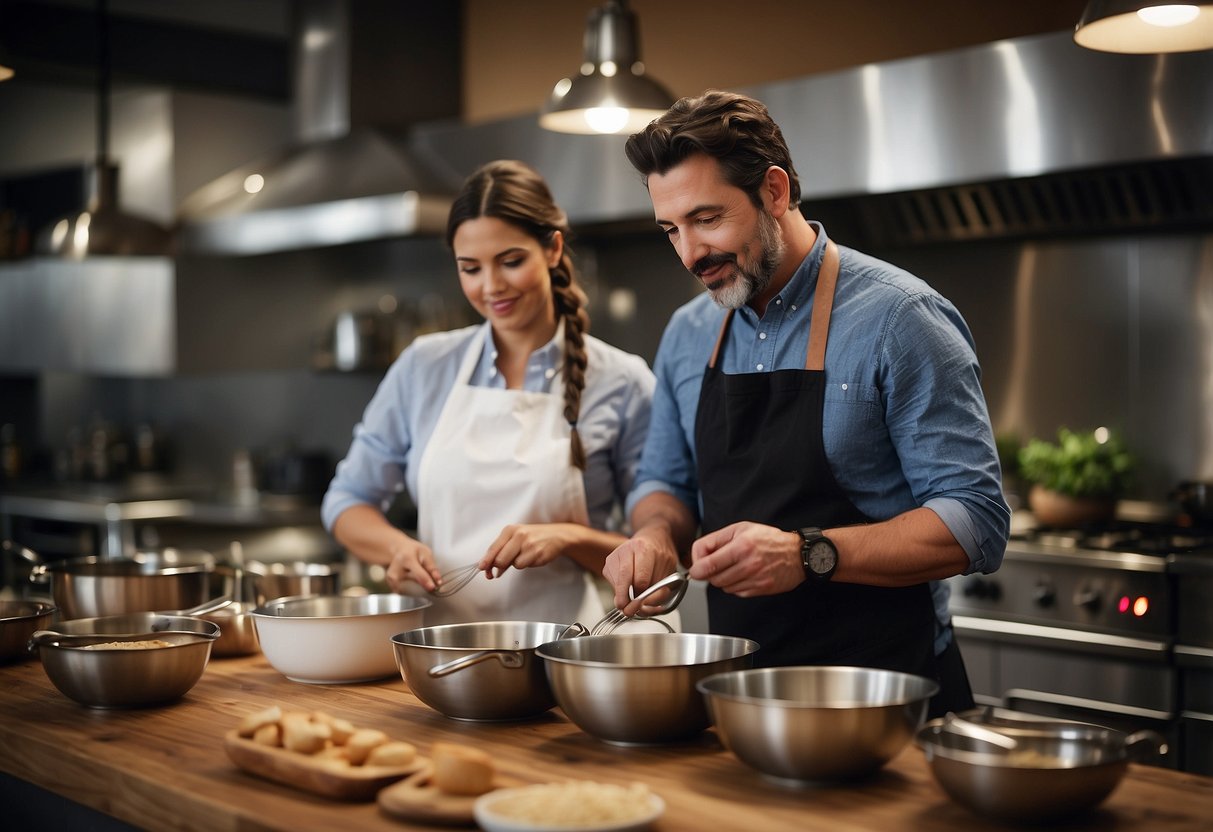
836	453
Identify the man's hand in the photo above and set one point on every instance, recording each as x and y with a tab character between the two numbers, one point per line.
748	559
645	558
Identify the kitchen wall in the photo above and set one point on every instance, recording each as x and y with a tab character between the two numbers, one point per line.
1076	331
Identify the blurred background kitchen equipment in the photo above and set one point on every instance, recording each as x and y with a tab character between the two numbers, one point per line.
639	688
294	578
1195	498
166	579
481	671
803	724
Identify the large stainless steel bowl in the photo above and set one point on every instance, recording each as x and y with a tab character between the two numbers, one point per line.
163	579
639	689
126	678
1056	768
479	671
805	724
293	579
18	621
329	639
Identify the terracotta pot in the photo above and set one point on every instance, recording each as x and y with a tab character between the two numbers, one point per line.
1064	511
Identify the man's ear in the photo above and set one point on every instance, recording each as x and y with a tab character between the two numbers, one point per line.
776	187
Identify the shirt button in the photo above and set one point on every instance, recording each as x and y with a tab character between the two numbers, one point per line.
844	386
762	336
493	372
759	366
779	301
549	372
793	307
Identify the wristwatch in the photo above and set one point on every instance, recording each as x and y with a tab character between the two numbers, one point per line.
818	555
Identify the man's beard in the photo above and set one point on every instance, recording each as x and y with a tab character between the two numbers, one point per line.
745	284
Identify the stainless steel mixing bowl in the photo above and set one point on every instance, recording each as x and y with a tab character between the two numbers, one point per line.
805	724
1056	768
329	639
479	671
126	678
639	689
18	621
293	579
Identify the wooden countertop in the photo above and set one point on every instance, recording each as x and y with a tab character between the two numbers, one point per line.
166	767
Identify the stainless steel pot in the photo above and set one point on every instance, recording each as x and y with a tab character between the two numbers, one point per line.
1056	768
18	621
639	689
1196	499
294	578
232	613
479	671
163	579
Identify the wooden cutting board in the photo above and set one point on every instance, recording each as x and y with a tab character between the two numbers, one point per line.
418	799
341	782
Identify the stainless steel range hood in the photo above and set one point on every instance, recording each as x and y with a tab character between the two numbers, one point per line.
340	182
1020	137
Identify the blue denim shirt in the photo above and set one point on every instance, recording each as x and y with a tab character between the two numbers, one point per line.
385	455
905	422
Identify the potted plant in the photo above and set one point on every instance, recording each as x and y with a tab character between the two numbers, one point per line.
1077	480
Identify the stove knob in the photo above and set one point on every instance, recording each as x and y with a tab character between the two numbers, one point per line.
1044	595
1088	599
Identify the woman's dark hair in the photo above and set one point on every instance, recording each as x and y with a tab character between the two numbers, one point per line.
515	193
735	130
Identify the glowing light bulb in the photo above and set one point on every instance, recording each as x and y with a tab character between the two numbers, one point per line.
253	183
1168	16
1123	606
606	119
1141	606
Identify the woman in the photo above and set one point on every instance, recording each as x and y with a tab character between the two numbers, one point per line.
515	438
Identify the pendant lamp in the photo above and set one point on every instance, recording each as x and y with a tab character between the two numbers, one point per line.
1145	26
611	94
102	228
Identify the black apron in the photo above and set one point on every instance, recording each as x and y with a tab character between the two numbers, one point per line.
761	457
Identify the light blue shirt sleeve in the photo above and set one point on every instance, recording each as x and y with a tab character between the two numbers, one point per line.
384	457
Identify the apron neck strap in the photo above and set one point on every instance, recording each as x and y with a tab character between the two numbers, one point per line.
823	305
819	324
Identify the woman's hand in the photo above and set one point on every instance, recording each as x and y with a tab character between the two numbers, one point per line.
530	545
412	561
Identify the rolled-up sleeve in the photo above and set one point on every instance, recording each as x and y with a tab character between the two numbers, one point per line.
939	424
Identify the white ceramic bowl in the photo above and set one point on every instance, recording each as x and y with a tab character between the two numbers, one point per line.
490	819
331	639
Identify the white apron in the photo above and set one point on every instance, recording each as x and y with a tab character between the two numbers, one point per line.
499	457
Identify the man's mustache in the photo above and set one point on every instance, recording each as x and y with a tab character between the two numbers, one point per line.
709	262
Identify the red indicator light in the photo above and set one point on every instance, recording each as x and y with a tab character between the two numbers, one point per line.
1141	606
1123	606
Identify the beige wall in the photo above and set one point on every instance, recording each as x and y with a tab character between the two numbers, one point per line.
514	51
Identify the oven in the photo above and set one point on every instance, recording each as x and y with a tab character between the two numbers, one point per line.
1194	658
1084	625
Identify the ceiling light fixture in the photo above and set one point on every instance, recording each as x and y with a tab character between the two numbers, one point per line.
611	94
1145	27
103	228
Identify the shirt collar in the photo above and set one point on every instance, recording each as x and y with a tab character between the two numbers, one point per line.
798	291
547	357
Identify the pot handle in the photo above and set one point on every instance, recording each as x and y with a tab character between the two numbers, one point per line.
1141	744
574	630
508	658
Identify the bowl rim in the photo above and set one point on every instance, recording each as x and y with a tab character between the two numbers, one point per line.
399	638
750	647
40	609
195	640
704	687
263	611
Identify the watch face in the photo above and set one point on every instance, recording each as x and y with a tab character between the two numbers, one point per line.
821	557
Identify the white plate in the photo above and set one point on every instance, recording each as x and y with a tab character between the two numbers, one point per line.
491	821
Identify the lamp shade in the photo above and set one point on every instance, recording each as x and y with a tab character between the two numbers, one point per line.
612	94
1145	27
